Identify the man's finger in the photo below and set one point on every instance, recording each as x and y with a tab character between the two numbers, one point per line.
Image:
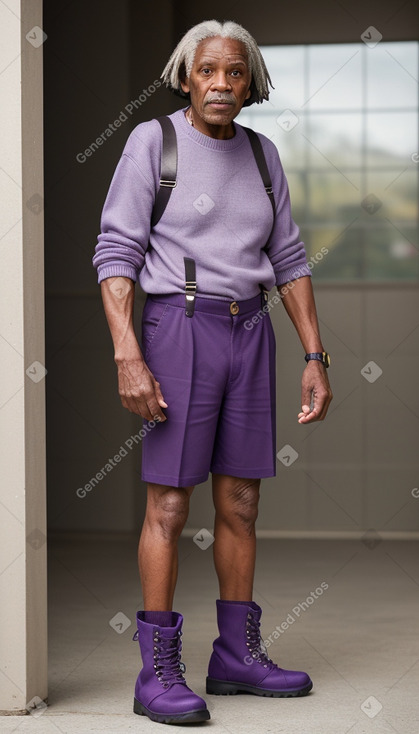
305	395
141	406
137	406
307	417
155	410
318	411
160	399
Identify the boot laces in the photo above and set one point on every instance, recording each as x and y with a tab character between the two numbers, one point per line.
168	666
254	642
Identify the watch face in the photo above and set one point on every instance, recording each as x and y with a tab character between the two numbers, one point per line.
326	359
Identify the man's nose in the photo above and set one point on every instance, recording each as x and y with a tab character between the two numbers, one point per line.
221	81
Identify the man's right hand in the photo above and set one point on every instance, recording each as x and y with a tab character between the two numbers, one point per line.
139	390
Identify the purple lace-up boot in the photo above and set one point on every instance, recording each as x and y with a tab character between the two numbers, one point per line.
239	661
161	692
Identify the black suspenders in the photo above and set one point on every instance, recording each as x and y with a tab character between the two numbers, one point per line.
168	171
261	163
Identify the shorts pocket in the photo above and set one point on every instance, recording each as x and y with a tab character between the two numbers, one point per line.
153	315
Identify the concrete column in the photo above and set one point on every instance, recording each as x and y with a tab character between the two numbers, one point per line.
23	566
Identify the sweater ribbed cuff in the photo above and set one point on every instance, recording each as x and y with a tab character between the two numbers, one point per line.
297	271
114	271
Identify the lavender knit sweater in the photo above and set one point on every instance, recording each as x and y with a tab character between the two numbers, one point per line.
218	214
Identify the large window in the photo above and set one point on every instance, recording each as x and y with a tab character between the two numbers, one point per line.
345	121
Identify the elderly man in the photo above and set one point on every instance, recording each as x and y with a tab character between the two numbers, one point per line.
204	381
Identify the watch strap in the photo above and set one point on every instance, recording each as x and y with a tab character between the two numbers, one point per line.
322	357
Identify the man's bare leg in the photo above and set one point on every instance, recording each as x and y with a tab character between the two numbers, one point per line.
234	548
166	513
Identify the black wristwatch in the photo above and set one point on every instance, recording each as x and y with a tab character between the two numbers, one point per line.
322	357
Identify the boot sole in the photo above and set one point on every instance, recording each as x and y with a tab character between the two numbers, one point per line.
229	688
187	717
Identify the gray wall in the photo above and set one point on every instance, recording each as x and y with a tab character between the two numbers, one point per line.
306	22
98	58
356	470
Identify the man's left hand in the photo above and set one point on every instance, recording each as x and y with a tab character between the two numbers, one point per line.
315	391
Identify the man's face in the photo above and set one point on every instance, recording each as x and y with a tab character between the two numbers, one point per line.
219	81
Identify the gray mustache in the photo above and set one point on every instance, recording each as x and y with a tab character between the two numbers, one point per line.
228	99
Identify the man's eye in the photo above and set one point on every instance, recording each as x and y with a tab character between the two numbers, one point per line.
206	70
236	72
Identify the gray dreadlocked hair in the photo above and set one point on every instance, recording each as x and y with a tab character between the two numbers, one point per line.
181	60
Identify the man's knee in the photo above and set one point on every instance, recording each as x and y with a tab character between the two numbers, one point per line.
239	504
168	508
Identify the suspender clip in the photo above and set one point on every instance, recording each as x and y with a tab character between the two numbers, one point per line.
190	285
264	293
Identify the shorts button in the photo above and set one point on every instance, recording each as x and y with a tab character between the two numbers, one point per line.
234	308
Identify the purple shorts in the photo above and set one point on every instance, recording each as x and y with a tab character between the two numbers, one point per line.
217	375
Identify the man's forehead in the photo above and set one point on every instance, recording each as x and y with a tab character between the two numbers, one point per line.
208	48
232	58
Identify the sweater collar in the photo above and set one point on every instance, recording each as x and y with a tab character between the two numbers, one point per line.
205	140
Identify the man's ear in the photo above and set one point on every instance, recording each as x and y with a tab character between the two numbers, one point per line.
184	83
184	80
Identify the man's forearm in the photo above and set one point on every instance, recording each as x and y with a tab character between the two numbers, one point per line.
301	308
118	300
